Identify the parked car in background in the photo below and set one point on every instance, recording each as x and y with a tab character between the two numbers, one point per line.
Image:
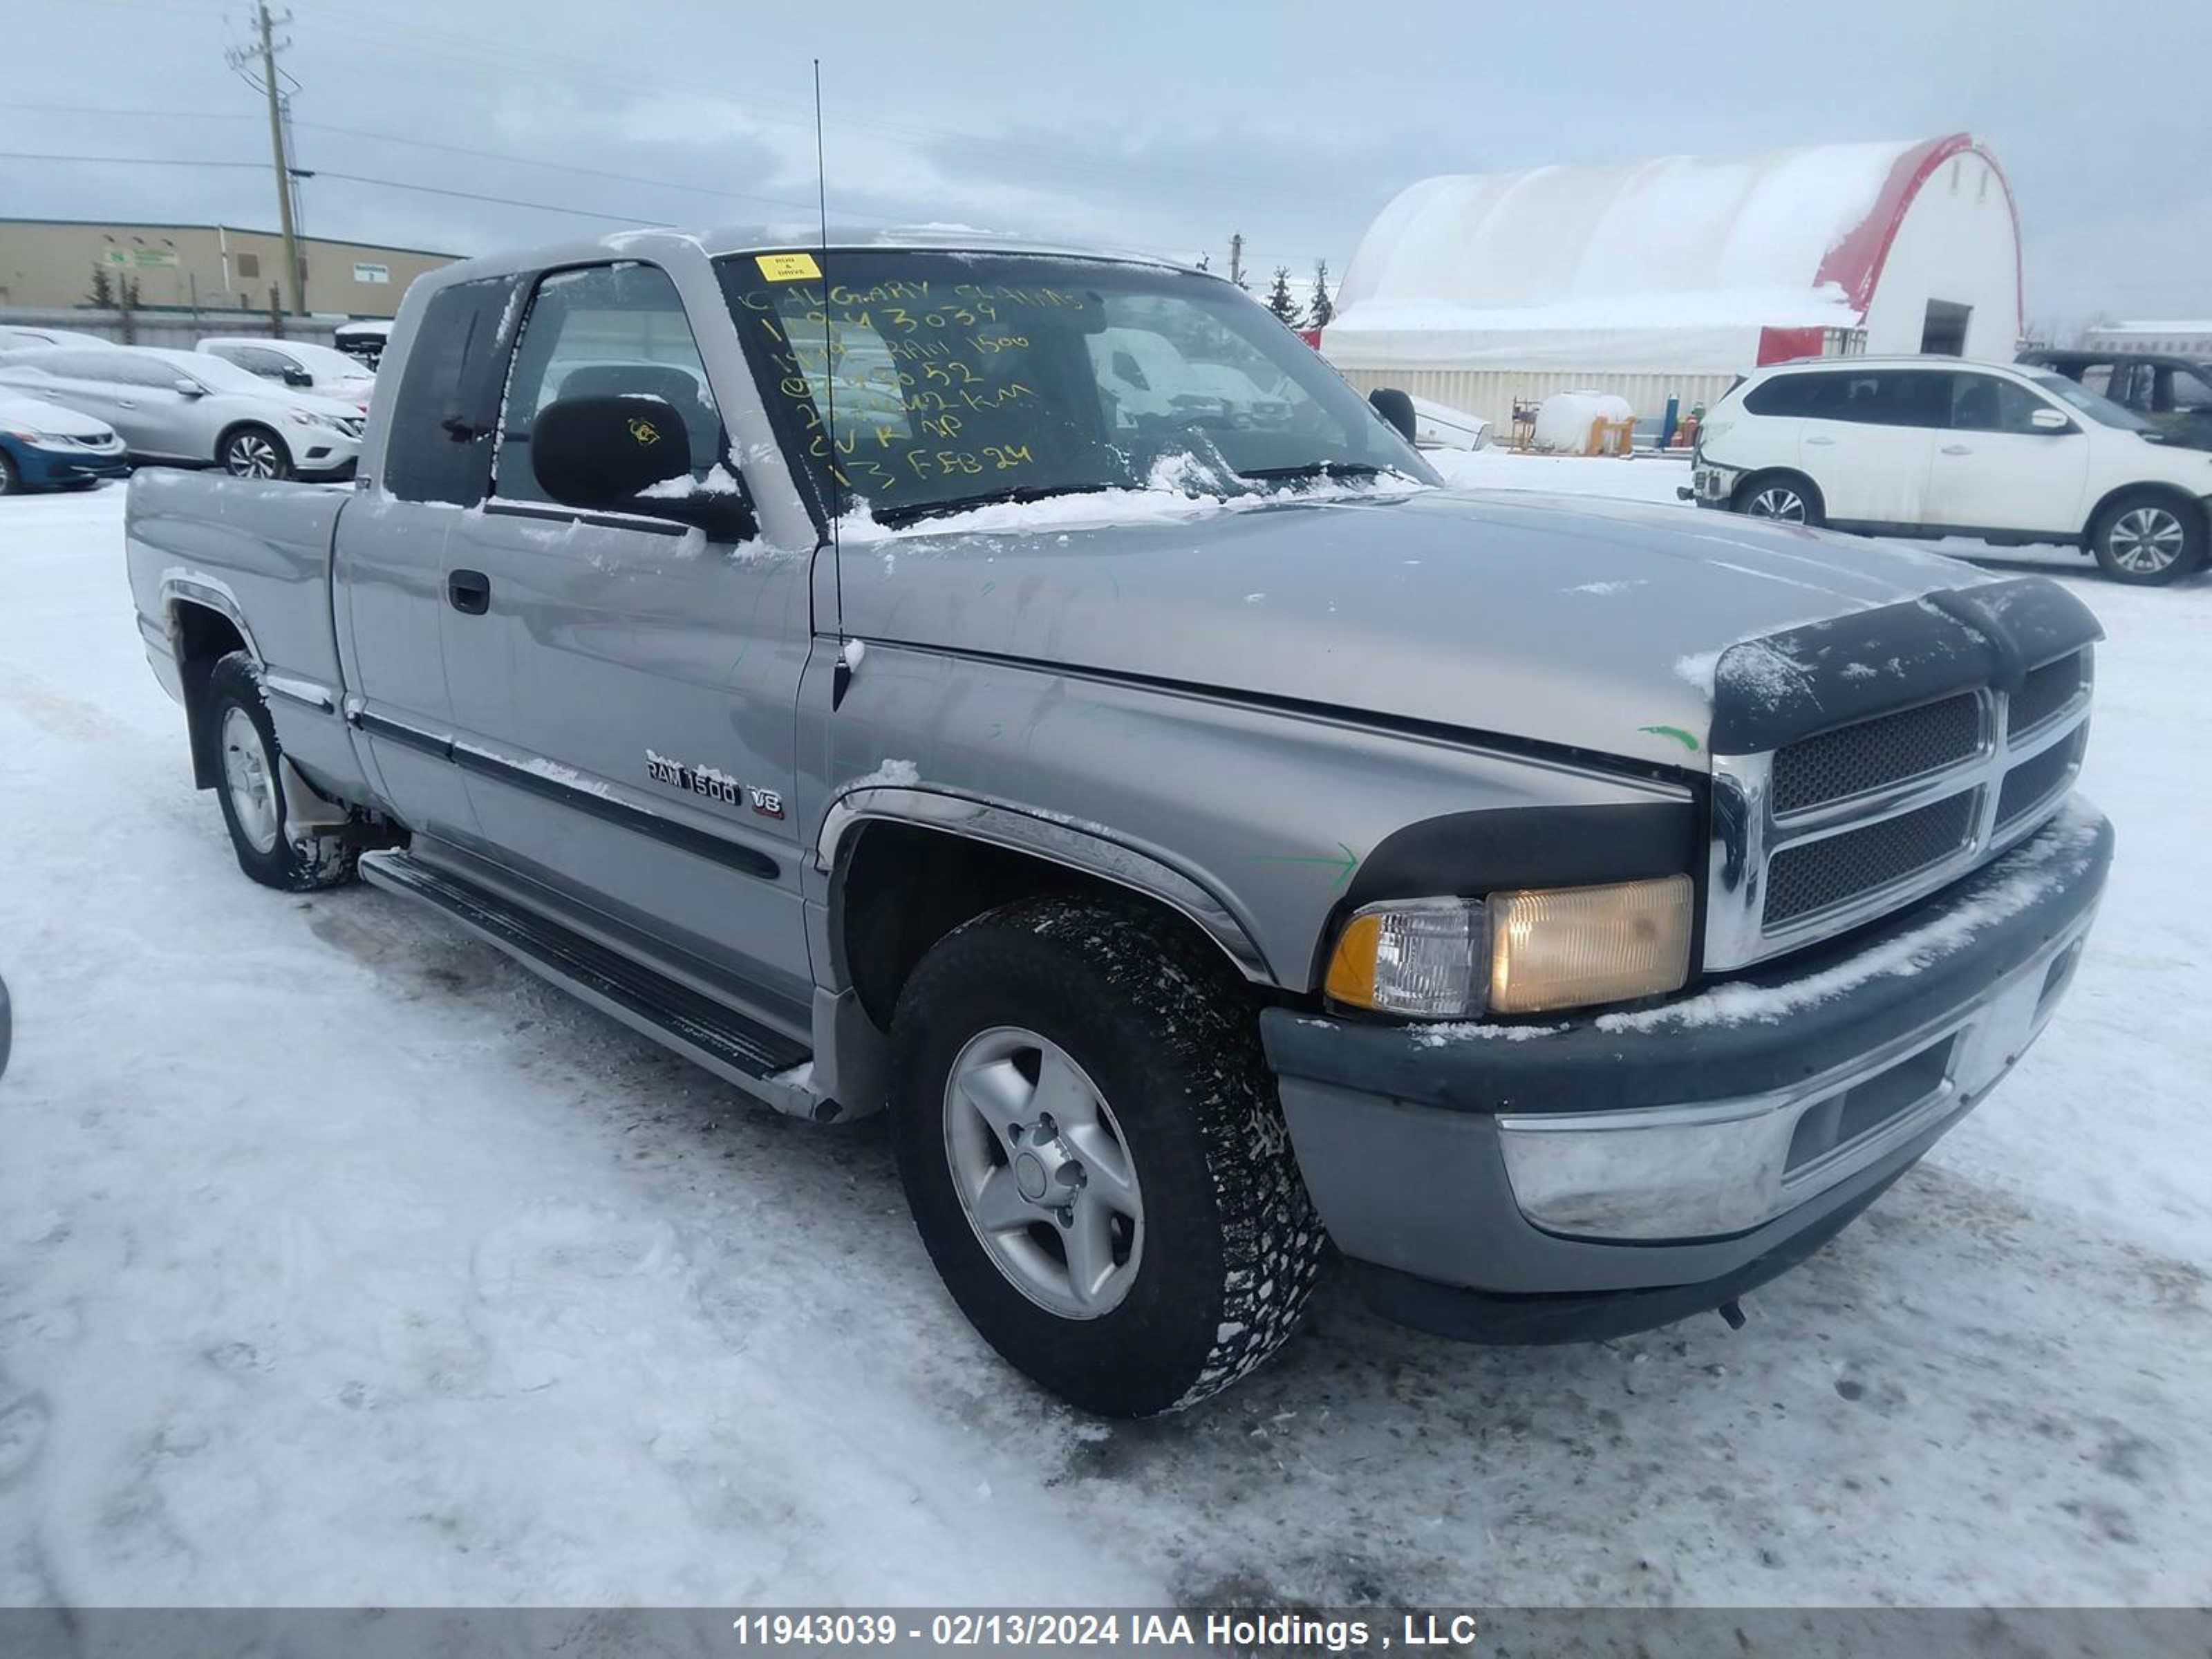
188	408
15	338
1194	887
363	342
2174	394
1934	447
43	445
298	364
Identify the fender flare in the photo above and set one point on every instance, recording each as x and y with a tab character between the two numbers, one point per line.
1088	848
182	588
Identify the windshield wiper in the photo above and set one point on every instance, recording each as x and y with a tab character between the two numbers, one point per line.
909	512
1312	470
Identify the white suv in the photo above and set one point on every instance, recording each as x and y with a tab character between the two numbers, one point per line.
1936	447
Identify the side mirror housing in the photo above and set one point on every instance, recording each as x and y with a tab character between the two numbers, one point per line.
603	452
630	453
1396	408
188	388
2049	420
296	376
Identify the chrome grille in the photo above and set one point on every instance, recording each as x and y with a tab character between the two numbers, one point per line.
1833	831
1817	875
1888	749
2028	785
2045	691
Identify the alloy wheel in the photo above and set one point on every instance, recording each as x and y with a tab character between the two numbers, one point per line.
2146	540
247	777
1042	1172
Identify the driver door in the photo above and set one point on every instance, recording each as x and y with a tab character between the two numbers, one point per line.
625	688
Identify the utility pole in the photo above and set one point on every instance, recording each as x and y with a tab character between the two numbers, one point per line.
266	52
1235	252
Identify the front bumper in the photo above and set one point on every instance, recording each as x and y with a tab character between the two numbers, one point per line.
47	468
1710	484
1607	1172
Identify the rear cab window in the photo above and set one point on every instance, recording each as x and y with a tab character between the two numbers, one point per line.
438	445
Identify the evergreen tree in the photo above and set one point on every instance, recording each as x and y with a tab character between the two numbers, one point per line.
1321	310
103	289
1279	301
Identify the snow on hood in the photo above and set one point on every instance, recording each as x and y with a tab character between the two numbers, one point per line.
37	413
1570	620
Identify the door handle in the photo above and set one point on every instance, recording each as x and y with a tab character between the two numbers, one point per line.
469	592
124	403
1817	439
1958	449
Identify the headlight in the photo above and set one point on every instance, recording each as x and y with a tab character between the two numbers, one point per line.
1562	947
1516	952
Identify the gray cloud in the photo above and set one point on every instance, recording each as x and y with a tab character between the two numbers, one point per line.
1141	123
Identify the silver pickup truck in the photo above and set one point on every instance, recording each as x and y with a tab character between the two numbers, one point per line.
1030	692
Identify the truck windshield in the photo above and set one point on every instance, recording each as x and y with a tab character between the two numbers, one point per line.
957	379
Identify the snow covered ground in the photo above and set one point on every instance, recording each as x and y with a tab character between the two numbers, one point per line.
342	1262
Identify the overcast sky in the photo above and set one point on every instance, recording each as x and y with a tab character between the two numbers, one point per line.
1156	123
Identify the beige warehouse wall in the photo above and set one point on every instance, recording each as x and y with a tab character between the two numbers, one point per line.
49	263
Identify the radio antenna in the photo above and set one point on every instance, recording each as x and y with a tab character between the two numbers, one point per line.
829	395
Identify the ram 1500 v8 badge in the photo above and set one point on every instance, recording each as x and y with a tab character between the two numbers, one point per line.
1030	692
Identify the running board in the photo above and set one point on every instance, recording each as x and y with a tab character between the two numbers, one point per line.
759	1059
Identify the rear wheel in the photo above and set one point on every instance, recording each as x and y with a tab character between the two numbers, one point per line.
1781	495
250	788
1091	1144
254	452
2148	539
10	480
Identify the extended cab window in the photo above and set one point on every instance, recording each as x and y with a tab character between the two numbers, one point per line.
440	443
606	331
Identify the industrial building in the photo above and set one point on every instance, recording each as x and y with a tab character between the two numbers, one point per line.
48	264
1672	277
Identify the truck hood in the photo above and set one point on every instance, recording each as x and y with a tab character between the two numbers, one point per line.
1574	621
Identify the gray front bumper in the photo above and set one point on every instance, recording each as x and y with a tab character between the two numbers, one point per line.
1678	1146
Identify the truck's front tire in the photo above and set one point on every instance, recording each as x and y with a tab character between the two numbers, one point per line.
1094	1157
250	784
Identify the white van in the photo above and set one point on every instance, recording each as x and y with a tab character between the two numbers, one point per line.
1936	447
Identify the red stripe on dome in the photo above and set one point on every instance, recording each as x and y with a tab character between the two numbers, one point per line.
1855	264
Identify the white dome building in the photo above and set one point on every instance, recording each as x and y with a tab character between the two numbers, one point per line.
1677	275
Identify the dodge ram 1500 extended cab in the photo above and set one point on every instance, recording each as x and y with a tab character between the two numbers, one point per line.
1210	838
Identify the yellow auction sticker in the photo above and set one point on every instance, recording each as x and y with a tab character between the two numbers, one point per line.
786	267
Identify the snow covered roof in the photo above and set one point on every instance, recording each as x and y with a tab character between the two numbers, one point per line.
1699	247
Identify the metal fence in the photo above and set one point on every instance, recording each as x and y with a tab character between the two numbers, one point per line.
1491	392
181	329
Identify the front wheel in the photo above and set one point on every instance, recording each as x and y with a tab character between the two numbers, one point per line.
1091	1144
11	481
1780	495
250	788
2147	540
254	452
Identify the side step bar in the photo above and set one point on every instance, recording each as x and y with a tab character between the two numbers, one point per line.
756	1058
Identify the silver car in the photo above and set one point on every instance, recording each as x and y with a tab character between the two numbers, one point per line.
299	365
182	406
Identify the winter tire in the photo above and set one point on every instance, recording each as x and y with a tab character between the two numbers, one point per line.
1783	496
254	452
2147	540
250	784
1091	1146
10	480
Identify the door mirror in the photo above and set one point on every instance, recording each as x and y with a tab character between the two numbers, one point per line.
294	375
2049	420
1394	407
188	388
605	452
